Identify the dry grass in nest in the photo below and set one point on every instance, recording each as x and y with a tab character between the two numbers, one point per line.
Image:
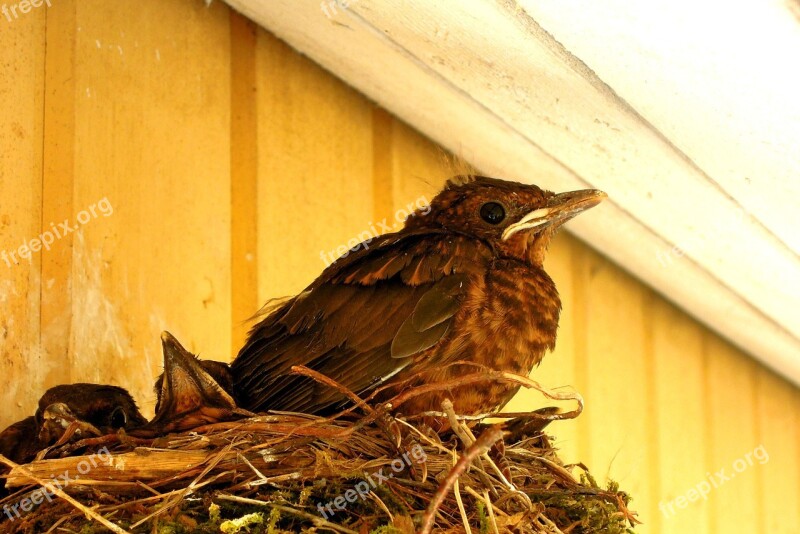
287	472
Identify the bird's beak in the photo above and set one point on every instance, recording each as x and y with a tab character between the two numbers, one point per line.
560	208
186	386
59	424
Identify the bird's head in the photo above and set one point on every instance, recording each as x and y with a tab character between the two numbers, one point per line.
190	391
517	220
100	409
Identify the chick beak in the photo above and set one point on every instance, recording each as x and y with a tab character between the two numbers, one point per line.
59	424
186	386
559	209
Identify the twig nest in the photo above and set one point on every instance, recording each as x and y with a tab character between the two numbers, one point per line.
295	473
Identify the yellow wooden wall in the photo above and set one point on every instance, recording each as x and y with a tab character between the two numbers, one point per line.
232	163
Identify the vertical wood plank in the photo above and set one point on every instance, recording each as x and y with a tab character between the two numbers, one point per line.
22	53
778	422
679	371
152	138
616	391
244	177
58	194
730	401
382	152
314	169
580	280
652	424
419	168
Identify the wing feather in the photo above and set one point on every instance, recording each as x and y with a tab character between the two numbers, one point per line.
365	318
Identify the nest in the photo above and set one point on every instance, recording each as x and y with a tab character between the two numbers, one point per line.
363	470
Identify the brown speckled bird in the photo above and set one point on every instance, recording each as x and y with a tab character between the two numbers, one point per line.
462	281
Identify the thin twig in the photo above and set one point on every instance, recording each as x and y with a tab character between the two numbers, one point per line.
489	375
319	377
374	497
459	502
490	509
483	444
479	497
466	437
261	477
57	523
148	488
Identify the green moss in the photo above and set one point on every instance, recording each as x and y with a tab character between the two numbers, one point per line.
233	526
214	515
274	518
483	518
590	512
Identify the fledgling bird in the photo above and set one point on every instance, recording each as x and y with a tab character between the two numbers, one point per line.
98	408
89	409
95	408
464	282
191	392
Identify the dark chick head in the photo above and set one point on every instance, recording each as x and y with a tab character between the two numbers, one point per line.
516	220
88	409
107	408
191	392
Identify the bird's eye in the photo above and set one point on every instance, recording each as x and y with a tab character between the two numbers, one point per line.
118	418
493	213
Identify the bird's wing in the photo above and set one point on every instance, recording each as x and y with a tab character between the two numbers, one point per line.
359	323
